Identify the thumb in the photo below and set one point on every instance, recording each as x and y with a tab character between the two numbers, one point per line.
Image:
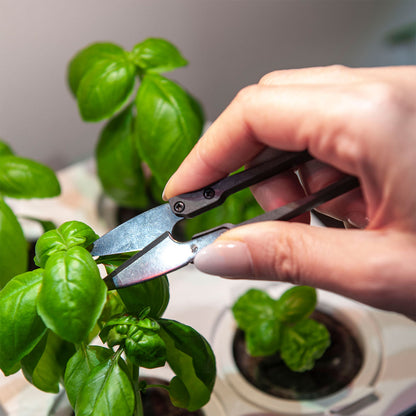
355	263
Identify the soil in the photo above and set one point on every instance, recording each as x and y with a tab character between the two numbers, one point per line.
334	370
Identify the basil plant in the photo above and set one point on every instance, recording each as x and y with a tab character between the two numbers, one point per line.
152	124
19	178
51	317
282	326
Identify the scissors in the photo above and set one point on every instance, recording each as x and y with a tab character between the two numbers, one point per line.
150	233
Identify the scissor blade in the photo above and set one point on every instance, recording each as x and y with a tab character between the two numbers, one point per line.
164	255
137	233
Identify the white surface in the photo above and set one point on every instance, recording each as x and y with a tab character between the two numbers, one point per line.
198	300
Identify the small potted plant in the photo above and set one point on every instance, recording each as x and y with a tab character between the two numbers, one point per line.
51	315
282	350
19	178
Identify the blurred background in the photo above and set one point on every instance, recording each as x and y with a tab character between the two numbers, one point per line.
229	44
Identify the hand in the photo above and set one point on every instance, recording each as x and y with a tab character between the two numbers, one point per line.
356	121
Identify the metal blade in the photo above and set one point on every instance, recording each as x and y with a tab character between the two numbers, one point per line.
137	233
164	255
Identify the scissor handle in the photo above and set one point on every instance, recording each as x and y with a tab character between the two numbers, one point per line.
190	204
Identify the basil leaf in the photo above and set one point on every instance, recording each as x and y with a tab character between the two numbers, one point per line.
85	59
5	149
106	391
167	125
157	55
13	245
113	306
21	327
263	339
25	178
296	304
303	343
192	360
80	366
153	293
69	234
118	163
44	367
105	88
73	294
253	307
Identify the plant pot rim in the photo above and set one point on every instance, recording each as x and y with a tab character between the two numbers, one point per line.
354	316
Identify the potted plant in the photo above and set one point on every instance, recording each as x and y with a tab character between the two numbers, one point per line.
51	315
152	124
292	352
19	178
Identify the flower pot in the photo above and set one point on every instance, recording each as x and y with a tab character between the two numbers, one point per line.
345	373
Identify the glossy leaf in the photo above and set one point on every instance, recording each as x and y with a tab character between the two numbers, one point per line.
86	58
25	178
5	149
69	234
303	343
105	88
167	125
21	327
263	339
80	366
157	55
13	245
44	367
153	293
73	294
113	306
253	307
192	360
107	391
296	304
118	162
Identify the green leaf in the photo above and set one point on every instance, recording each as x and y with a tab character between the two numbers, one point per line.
303	343
192	360
107	391
5	149
25	178
69	234
86	58
80	366
153	293
253	307
296	304
13	245
21	327
73	294
105	88
118	162
263	339
157	55
167	125
44	367
113	306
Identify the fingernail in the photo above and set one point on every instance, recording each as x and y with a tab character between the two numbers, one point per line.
226	259
357	219
164	191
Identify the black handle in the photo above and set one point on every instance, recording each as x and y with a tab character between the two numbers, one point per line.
194	203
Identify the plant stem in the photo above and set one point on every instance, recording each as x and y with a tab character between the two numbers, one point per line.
138	411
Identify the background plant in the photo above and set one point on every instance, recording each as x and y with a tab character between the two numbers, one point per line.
19	178
282	326
152	123
50	316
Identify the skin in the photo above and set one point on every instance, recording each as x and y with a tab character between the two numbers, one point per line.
356	121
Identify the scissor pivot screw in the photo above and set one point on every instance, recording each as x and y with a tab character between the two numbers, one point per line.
179	206
209	193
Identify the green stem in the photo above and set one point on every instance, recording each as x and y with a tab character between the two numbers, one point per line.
138	411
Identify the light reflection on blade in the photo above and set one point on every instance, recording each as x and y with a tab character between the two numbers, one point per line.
163	256
137	233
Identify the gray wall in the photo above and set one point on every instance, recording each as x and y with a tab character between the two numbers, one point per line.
229	43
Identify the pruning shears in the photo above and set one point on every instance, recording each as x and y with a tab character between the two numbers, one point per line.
150	233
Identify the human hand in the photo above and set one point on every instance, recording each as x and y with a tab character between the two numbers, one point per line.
356	121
